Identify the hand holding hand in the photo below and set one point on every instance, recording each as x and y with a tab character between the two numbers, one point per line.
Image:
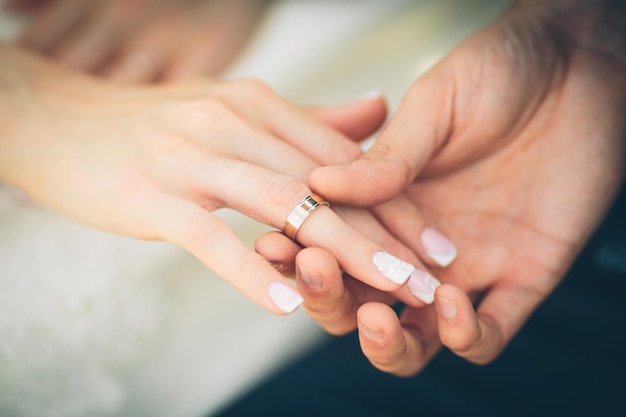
155	162
513	146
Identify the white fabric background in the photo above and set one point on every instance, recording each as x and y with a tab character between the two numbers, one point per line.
93	324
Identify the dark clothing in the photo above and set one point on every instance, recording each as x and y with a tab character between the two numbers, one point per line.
568	360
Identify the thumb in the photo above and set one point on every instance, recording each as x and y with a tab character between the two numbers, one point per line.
358	119
415	133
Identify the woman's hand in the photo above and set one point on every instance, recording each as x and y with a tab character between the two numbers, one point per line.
154	162
141	40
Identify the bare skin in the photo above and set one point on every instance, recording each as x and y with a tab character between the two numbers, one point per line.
141	40
513	146
155	162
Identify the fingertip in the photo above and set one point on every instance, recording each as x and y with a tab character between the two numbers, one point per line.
317	270
365	182
275	246
284	296
326	298
382	340
357	119
279	251
458	325
452	303
320	281
377	316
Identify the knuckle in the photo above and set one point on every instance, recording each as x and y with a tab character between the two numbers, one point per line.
383	150
246	268
281	189
386	152
209	111
203	229
350	239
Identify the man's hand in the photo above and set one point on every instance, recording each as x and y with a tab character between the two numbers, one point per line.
513	146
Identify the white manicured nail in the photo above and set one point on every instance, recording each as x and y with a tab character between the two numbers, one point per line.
371	95
285	297
438	247
423	286
392	268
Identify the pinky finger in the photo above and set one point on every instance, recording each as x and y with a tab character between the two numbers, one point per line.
215	244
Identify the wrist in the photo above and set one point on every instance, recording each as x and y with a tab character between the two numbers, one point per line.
25	103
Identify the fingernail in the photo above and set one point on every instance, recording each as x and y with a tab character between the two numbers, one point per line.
309	280
370	332
447	308
423	285
285	297
371	95
438	247
392	268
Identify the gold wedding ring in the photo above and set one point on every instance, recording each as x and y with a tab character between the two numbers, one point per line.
299	214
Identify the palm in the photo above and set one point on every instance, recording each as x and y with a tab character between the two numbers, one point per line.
537	183
532	159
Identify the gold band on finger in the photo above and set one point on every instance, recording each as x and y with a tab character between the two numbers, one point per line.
299	214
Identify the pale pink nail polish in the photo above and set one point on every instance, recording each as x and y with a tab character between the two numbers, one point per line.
285	297
370	332
423	285
438	247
